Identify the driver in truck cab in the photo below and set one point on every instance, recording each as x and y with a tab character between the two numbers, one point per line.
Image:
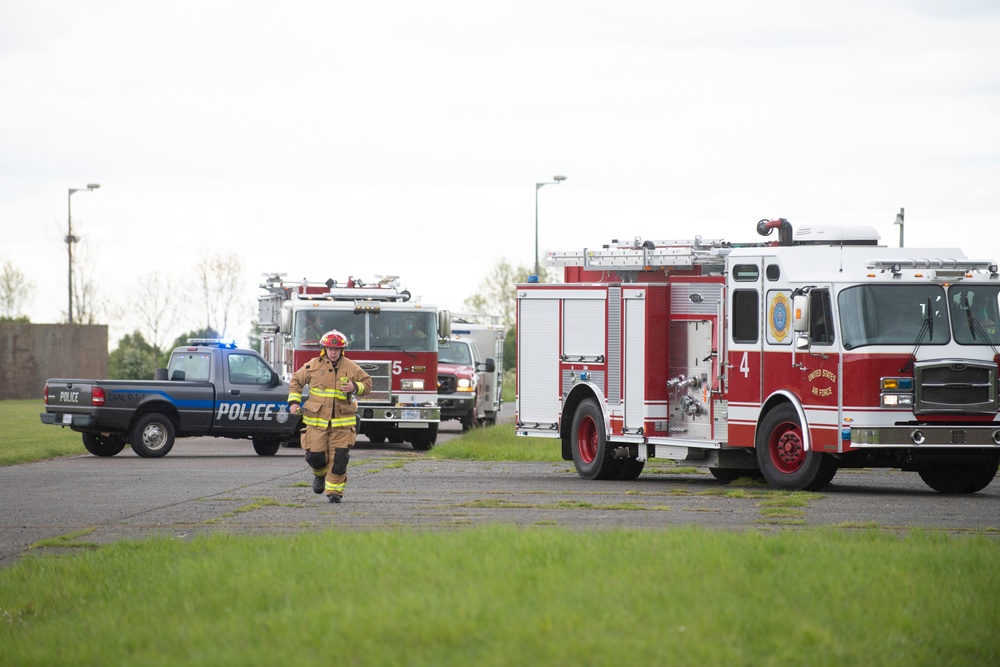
329	413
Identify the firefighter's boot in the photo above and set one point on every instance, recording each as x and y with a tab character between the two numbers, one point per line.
317	462
335	497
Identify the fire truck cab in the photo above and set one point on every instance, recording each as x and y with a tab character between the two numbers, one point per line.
786	360
391	337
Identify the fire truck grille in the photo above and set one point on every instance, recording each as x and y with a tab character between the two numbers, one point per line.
381	374
954	386
446	384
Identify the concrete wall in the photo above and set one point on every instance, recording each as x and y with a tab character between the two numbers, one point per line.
32	353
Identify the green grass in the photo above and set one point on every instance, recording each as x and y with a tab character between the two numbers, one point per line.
507	596
24	438
497	443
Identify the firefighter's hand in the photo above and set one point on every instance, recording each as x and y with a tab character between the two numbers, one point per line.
293	408
348	386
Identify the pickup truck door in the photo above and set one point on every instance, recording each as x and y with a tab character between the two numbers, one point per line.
248	400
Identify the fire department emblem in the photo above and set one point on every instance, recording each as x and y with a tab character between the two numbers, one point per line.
778	317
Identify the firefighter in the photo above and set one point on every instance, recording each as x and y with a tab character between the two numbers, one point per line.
329	413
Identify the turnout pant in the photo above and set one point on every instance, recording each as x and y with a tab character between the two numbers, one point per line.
328	450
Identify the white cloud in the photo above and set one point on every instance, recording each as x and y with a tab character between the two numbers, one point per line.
326	139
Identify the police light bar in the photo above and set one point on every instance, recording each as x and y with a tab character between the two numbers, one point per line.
224	344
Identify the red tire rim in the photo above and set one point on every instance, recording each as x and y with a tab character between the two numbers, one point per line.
787	450
586	439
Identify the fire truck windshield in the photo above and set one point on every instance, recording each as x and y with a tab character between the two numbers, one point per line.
975	313
311	324
405	330
893	315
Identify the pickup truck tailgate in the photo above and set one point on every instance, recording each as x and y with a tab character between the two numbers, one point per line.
69	402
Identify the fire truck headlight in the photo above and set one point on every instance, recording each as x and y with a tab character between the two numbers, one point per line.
413	385
897	400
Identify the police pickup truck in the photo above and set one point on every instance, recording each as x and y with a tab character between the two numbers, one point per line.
210	388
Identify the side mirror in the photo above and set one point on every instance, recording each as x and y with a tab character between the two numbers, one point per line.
802	342
275	379
444	324
490	365
286	321
800	313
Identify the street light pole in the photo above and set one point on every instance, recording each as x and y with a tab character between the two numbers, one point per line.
70	240
538	186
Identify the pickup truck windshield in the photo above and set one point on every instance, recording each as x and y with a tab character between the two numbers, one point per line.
455	353
893	315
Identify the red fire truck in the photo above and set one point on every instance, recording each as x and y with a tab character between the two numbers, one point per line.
393	338
790	360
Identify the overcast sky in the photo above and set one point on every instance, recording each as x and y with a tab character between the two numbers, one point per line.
326	139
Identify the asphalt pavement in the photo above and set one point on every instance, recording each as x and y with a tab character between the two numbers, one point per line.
207	485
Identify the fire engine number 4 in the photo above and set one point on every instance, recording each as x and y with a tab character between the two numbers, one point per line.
745	366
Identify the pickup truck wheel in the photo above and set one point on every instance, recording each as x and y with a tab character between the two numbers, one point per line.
266	446
103	445
469	420
153	436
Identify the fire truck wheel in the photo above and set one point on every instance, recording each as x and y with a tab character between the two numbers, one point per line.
152	436
424	440
103	445
589	443
782	457
631	469
961	477
266	446
727	475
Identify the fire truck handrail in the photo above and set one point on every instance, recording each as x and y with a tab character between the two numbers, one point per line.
934	263
651	253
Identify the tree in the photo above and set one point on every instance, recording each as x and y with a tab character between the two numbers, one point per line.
220	283
134	359
88	302
16	292
497	296
155	307
183	339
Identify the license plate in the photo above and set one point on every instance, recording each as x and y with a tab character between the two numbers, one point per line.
67	419
411	414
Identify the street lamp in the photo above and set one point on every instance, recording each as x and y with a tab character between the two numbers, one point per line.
70	240
538	186
899	221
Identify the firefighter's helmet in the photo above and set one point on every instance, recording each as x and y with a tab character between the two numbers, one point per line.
333	338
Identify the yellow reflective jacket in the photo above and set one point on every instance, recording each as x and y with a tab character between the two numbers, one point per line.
327	405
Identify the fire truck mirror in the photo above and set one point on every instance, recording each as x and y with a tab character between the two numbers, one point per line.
800	313
802	342
444	324
286	321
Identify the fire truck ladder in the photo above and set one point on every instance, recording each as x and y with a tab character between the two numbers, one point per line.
629	259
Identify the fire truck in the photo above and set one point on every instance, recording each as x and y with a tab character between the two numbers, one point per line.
391	337
788	359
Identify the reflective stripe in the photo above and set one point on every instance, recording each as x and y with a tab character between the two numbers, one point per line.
339	422
329	393
294	397
336	487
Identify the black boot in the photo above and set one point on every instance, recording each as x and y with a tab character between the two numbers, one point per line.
319	484
335	497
